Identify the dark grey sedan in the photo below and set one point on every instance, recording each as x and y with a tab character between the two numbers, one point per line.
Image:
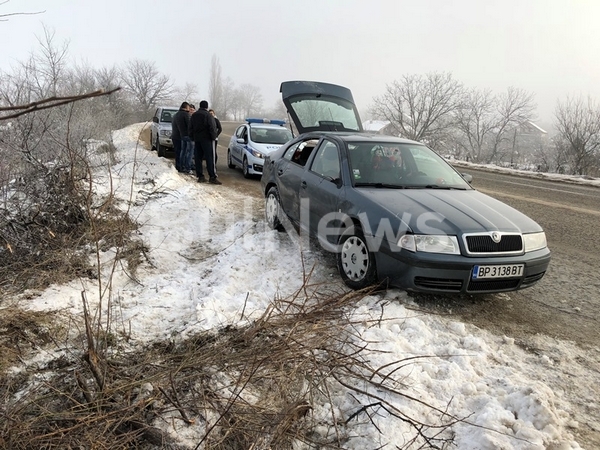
391	209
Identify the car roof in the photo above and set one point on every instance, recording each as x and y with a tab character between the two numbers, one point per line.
265	125
168	107
361	137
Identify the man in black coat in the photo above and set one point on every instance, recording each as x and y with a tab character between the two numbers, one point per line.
203	131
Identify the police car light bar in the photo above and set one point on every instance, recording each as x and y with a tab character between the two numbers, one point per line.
271	121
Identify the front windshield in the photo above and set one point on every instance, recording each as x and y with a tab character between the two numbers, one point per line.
270	135
167	115
323	112
401	165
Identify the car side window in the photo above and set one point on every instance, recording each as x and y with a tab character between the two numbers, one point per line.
303	151
289	153
239	133
327	161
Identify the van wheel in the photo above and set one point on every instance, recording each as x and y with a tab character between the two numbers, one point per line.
160	148
152	144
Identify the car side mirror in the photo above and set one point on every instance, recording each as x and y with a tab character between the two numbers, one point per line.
467	177
241	141
155	119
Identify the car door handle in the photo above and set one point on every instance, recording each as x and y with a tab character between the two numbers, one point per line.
280	172
303	185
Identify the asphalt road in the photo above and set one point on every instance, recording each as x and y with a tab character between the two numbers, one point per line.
565	304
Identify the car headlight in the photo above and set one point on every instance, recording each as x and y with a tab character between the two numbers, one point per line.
430	243
256	153
165	133
534	241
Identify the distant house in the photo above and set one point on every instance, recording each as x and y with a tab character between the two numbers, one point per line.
379	127
526	138
528	128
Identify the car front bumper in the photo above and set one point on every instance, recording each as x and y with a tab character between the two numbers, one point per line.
255	165
423	272
165	141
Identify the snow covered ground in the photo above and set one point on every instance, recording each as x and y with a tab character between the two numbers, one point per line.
211	258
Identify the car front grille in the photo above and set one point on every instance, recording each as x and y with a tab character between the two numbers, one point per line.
484	244
492	285
441	284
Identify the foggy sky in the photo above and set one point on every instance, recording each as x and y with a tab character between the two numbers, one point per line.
548	47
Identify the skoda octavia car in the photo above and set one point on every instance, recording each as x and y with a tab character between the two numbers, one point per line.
253	141
393	211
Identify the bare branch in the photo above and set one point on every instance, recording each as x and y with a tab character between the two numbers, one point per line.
51	102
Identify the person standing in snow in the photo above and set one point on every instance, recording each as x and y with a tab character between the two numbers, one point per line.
219	129
203	131
180	136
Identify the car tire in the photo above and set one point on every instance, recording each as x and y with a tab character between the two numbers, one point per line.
230	163
245	168
273	209
356	264
161	149
152	142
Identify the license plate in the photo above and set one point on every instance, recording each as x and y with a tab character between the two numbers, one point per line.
500	271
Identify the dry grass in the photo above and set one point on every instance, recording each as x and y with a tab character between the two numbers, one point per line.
247	387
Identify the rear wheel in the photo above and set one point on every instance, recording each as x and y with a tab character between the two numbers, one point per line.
230	163
355	262
273	209
245	169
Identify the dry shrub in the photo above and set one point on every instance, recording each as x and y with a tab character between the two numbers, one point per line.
62	254
243	387
23	331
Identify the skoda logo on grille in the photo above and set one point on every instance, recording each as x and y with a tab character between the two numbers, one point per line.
496	237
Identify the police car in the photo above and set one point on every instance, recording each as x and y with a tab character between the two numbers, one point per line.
253	141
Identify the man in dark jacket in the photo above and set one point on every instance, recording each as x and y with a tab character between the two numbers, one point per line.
203	132
180	136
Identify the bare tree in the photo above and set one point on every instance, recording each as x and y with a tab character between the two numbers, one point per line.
250	99
487	122
578	125
228	99
51	62
146	84
215	86
186	93
420	107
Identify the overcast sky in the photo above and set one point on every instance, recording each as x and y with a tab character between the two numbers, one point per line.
548	47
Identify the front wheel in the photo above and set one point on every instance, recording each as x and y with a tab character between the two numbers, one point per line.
245	169
152	144
355	262
273	209
230	163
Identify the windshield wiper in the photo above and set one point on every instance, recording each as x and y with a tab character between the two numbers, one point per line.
380	185
449	188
